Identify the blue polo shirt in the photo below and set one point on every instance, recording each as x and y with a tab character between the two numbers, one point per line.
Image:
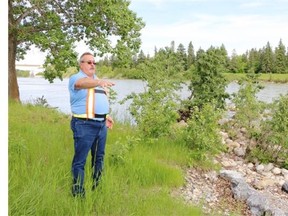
78	97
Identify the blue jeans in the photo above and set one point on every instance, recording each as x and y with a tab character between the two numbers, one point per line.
89	135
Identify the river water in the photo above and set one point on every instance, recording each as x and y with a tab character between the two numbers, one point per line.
57	94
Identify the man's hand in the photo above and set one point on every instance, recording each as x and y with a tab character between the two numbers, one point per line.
109	122
104	83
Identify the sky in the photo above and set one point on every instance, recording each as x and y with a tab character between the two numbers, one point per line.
239	25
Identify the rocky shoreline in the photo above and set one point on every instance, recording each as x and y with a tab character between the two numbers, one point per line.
240	187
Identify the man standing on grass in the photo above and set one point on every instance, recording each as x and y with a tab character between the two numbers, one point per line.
90	107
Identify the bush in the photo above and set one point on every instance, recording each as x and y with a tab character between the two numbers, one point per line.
272	144
202	135
207	83
155	110
248	108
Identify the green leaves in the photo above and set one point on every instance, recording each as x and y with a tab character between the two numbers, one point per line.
202	134
54	26
249	108
208	84
273	140
265	123
155	110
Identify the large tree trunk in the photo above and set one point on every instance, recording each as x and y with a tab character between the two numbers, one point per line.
13	88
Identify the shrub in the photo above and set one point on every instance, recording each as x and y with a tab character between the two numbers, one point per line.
248	108
155	110
208	84
272	144
202	135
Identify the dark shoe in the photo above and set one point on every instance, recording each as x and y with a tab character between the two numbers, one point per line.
78	191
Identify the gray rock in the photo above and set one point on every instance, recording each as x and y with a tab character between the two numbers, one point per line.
240	188
257	202
285	187
240	151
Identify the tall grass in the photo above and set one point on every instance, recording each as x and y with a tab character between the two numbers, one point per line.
139	176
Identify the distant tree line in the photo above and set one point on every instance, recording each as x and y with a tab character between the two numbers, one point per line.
265	60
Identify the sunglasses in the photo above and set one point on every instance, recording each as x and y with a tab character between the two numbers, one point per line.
89	62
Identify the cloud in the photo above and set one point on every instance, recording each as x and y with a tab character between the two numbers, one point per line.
242	32
252	4
238	24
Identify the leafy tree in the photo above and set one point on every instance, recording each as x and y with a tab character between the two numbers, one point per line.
105	61
272	144
248	108
141	57
253	64
233	65
199	53
190	55
280	58
267	60
181	52
208	84
55	26
237	64
202	133
134	60
223	52
172	46
155	110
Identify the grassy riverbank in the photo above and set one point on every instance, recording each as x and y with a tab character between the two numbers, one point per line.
280	78
139	177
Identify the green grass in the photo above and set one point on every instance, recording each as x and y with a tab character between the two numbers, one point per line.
139	176
280	78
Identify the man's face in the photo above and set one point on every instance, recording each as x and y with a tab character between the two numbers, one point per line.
88	65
